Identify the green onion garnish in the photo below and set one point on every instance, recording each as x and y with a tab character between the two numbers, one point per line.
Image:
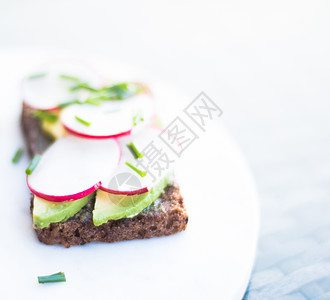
69	77
33	164
79	83
118	91
135	152
141	173
17	156
88	101
82	85
46	116
121	91
65	104
35	76
100	98
137	119
57	277
82	121
92	101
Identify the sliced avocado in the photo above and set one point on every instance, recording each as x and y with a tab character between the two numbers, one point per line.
47	212
114	207
55	129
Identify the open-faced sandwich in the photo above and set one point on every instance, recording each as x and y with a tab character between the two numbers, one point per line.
93	174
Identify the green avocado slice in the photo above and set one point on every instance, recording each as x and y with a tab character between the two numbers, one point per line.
113	207
47	212
54	130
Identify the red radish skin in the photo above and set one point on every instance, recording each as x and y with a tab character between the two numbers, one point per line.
98	137
74	196
52	109
117	125
65	198
137	191
127	193
55	108
80	194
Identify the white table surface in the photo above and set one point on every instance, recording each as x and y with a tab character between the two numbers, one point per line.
266	63
207	260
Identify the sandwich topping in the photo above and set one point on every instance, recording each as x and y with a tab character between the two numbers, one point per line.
99	130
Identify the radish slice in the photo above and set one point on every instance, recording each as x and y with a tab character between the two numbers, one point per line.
73	168
45	89
110	119
125	181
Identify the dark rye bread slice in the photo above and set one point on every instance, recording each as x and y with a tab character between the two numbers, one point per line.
166	216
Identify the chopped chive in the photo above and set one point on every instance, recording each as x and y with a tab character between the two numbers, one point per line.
65	104
69	77
120	91
135	152
88	101
137	119
57	277
123	86
46	116
82	121
35	76
115	92
82	85
74	88
92	101
102	97
33	164
17	156
141	173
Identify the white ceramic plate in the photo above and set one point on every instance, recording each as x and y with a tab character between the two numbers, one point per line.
212	259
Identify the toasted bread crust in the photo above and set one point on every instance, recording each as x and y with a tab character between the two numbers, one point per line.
36	140
166	216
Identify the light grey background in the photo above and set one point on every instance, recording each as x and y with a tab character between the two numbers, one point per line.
266	63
